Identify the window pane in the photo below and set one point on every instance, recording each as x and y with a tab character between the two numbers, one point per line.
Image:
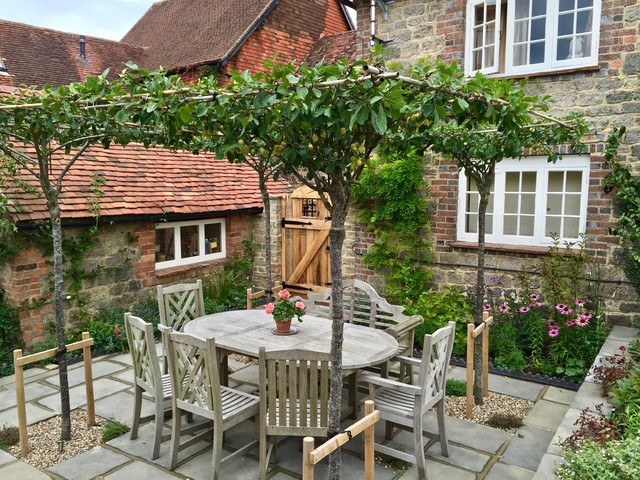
552	226
585	3
566	5
510	226
526	226
571	225
471	223
565	24
539	7
554	204
512	182
574	181
529	182
583	24
477	60
538	29
520	55
572	205
565	49
489	224
472	202
189	241
511	203
522	9
212	237
537	53
488	57
528	204
165	244
556	181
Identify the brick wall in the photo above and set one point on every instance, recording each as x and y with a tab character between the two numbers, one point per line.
130	276
606	96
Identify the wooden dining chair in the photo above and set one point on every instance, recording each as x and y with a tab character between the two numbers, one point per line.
251	295
404	405
147	377
193	367
179	304
294	397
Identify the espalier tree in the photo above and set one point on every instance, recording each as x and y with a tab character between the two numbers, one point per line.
320	125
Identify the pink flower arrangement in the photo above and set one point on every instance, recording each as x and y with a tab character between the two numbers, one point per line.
284	309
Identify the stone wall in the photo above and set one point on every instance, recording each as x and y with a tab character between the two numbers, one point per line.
607	96
127	253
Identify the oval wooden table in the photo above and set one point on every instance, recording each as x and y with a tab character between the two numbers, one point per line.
245	331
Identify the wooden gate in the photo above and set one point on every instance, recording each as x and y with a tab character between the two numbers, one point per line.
305	242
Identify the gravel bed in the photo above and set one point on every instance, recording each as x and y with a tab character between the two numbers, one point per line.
494	404
44	440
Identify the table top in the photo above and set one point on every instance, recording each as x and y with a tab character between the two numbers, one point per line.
245	331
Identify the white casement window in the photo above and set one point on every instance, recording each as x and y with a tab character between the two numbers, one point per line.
519	37
183	243
532	201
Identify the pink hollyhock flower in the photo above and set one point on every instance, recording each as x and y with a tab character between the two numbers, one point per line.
300	305
534	297
268	308
284	293
486	307
553	332
504	308
524	309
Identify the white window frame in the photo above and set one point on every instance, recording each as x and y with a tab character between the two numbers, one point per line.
550	64
469	47
201	257
542	167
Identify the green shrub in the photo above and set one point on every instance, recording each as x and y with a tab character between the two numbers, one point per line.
437	308
9	436
619	460
627	391
9	325
113	429
456	388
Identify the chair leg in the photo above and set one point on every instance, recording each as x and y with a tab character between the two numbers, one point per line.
442	432
175	438
137	408
388	430
353	394
418	441
217	451
264	456
159	423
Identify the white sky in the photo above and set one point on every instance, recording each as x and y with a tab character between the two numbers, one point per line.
109	19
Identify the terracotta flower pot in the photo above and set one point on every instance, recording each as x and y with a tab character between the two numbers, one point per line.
283	327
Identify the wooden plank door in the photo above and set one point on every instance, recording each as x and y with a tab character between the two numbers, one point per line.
305	242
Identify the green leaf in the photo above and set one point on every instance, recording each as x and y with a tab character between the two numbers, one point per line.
379	120
302	92
184	113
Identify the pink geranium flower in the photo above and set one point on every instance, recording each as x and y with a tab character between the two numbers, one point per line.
284	293
268	308
299	305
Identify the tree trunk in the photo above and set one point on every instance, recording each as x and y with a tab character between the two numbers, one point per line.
266	201
58	285
484	189
336	239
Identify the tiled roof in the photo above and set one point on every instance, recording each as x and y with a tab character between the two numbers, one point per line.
37	56
150	182
178	33
332	48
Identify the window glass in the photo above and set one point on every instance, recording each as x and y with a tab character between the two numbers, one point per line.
212	238
164	244
182	243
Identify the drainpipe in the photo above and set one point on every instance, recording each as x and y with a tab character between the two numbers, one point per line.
373	22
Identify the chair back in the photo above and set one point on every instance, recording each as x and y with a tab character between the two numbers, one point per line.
434	364
193	367
146	365
179	304
294	392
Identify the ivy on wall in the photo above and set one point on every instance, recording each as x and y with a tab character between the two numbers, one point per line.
391	199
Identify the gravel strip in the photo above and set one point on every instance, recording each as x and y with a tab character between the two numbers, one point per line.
44	440
494	404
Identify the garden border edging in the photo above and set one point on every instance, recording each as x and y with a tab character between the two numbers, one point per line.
588	396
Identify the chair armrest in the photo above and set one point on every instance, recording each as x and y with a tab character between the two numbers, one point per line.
391	384
408	360
403	327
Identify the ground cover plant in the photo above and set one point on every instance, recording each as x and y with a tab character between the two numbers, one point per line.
608	446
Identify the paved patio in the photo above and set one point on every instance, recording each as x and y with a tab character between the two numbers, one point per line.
477	452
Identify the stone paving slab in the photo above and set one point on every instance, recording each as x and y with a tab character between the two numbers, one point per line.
141	470
247	375
502	471
547	467
5	457
22	471
89	464
437	470
590	395
32	391
619	332
546	414
527	447
76	374
564	430
119	407
102	387
559	395
35	414
30	374
469	434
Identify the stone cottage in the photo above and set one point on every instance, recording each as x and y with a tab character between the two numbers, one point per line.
585	55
